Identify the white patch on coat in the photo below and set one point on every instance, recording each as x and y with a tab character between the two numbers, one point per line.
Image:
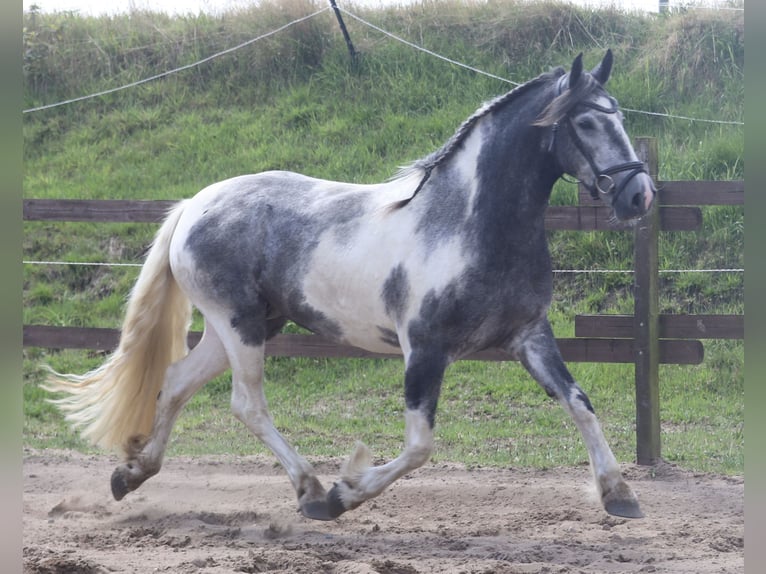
467	161
345	280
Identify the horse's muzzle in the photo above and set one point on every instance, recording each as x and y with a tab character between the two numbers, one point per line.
634	198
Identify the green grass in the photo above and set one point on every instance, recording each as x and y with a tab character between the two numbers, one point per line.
294	102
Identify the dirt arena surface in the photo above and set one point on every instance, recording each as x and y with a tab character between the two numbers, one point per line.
238	514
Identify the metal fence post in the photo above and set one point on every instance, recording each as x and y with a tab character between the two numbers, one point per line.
352	52
646	317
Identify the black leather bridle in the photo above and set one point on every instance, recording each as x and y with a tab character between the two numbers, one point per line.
604	183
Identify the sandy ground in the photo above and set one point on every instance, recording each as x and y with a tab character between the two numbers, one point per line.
226	514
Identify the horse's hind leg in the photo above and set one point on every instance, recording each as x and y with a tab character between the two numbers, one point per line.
248	403
541	357
182	380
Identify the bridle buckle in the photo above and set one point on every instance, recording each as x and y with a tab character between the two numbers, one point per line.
604	178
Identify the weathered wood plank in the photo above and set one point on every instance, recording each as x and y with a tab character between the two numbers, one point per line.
97	210
589	215
52	337
599	218
589	350
671	326
569	217
702	192
151	211
694	192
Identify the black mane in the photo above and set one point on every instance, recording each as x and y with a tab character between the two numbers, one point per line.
427	164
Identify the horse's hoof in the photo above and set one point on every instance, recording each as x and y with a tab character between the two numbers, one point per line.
625	507
119	485
328	509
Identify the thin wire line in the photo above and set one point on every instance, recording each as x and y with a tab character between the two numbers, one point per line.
425	50
726	8
725	270
478	71
373	26
83	263
731	270
601	271
727	122
176	70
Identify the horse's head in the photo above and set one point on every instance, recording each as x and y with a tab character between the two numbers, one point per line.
588	141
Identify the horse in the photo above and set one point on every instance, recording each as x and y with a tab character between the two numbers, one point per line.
446	258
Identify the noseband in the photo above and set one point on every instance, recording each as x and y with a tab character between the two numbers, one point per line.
604	182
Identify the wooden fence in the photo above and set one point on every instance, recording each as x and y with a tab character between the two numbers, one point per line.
645	338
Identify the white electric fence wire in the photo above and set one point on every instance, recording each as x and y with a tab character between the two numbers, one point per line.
180	69
478	71
425	50
83	263
366	23
677	117
583	271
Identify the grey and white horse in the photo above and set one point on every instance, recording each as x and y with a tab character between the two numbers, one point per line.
448	258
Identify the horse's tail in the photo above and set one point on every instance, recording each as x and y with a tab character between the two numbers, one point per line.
114	404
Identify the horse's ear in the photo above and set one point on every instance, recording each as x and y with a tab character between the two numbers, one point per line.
576	71
602	71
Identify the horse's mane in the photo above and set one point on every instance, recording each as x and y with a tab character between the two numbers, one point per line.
559	107
562	104
425	165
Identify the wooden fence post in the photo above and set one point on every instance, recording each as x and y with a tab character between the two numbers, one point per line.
646	318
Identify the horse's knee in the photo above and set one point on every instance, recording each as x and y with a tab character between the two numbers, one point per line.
419	442
578	401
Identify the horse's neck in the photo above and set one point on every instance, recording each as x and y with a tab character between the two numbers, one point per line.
509	174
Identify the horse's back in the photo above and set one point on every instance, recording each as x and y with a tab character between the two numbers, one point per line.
315	251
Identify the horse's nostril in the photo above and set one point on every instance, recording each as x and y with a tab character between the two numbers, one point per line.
649	198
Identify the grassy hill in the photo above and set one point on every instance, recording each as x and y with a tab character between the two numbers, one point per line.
293	100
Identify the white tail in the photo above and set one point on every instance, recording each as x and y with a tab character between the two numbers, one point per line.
115	403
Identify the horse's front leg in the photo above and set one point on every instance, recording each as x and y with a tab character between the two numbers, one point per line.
144	455
541	357
359	480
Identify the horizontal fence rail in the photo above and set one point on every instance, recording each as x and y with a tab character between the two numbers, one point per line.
557	217
575	350
686	193
670	326
702	192
97	210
